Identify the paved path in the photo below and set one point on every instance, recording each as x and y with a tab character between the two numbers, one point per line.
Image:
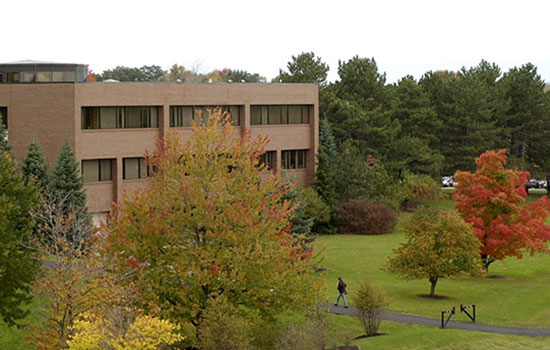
427	321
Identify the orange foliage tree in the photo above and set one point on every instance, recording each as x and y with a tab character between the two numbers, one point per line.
491	199
210	222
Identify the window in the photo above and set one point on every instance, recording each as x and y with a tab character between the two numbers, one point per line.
27	77
13	77
279	114
4	116
293	159
181	116
97	170
119	117
57	76
268	158
135	168
43	77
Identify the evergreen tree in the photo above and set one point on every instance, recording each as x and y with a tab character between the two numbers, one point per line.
34	165
304	68
525	119
327	158
66	180
301	224
414	111
469	106
18	265
361	83
5	146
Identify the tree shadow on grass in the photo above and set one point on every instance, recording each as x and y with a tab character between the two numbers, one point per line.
436	297
368	336
496	277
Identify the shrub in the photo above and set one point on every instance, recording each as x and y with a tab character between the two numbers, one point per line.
224	328
310	335
314	206
369	303
359	216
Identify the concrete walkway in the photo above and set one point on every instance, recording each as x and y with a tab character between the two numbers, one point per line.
435	322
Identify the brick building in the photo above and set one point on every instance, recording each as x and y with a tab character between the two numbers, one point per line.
111	124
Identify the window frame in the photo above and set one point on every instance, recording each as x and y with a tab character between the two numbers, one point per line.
99	172
297	157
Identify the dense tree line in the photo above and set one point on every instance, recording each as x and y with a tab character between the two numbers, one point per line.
176	73
436	125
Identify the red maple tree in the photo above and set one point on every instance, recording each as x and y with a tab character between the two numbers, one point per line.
491	199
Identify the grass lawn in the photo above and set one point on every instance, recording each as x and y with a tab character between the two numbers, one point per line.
520	297
397	336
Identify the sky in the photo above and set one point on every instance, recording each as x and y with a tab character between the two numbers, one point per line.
404	37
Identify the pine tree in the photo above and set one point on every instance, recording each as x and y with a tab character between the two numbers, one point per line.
325	177
17	263
5	146
34	165
305	68
66	180
301	224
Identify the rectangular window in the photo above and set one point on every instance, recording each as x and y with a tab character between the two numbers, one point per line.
293	159
181	116
69	76
4	116
279	114
97	170
107	117
43	77
119	117
57	76
135	168
13	77
268	158
27	77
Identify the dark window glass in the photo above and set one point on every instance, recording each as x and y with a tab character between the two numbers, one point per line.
119	117
97	170
268	158
4	116
13	77
293	159
135	168
279	114
181	116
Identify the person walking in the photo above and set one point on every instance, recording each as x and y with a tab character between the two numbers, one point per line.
342	291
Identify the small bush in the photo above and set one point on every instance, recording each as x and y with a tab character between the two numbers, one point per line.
315	207
369	303
359	216
310	335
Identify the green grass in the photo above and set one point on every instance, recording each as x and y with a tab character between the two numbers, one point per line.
412	337
520	298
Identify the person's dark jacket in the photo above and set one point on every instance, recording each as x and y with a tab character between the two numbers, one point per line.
341	287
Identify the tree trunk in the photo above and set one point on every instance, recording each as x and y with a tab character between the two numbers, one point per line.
547	183
485	261
433	281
